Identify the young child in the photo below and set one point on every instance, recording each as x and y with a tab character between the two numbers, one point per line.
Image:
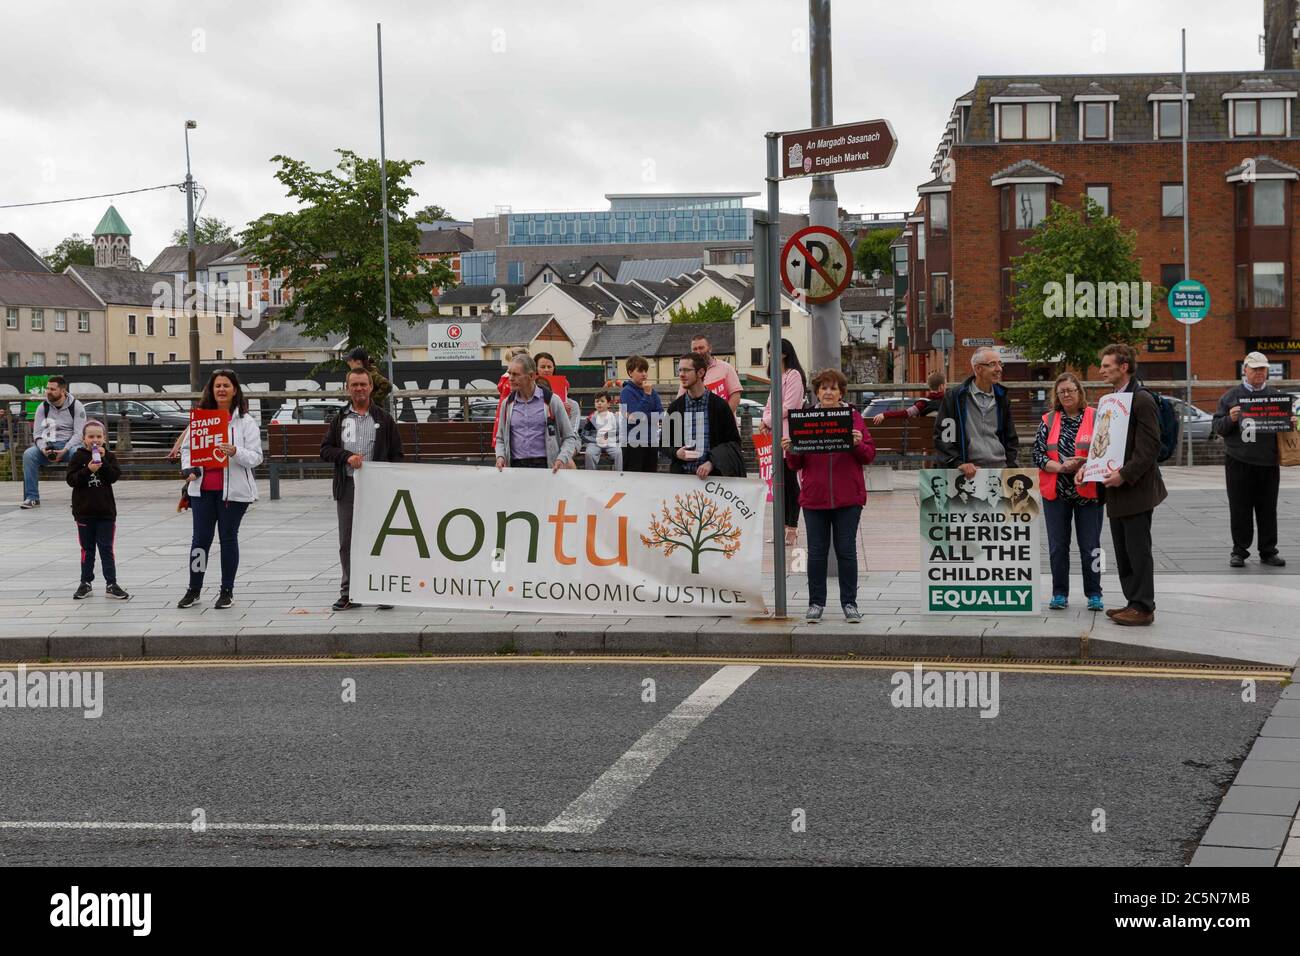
92	470
643	408
605	424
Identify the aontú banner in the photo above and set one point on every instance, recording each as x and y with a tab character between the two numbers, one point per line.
576	542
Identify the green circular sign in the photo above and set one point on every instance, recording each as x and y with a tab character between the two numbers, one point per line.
1189	301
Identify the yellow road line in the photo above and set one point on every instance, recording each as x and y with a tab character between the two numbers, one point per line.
1089	669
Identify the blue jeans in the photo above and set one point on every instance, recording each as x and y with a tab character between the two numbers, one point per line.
211	514
33	461
1058	514
97	533
822	525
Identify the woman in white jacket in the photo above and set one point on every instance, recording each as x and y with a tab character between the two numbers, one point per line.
220	496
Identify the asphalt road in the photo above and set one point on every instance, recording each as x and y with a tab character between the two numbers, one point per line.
449	744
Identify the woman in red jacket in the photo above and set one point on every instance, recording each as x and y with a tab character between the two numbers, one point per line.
832	493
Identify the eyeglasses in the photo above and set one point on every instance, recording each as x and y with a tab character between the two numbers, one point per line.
986	364
1071	390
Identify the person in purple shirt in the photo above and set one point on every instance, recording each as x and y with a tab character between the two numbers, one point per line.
642	408
535	431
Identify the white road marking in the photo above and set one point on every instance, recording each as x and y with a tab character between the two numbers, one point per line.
584	815
615	785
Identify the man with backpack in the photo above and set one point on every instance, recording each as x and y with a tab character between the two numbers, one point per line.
534	430
1136	488
56	431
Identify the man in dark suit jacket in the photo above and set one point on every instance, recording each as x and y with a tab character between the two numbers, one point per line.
360	433
1133	491
701	437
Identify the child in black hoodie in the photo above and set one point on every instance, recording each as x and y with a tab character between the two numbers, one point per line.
91	473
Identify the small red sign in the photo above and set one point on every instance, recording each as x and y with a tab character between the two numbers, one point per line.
453	331
208	429
816	265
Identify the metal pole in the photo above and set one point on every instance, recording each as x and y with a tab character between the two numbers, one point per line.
1187	255
774	366
191	269
383	192
823	203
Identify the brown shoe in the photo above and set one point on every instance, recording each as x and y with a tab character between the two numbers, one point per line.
1115	610
1134	617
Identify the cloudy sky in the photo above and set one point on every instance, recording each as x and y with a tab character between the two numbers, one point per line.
545	104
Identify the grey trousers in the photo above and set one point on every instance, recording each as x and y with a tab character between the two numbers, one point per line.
344	506
593	456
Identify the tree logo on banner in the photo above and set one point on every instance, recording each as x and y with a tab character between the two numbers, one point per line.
697	524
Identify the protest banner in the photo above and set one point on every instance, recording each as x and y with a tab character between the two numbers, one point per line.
763	451
821	430
208	429
575	542
980	541
1109	436
1267	415
34	385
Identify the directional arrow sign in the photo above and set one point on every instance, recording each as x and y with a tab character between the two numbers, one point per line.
837	149
816	264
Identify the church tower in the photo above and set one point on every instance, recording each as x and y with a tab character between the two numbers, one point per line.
112	241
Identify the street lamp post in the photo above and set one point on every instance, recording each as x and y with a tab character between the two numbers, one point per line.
190	268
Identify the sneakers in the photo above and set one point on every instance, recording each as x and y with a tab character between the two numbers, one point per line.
345	603
83	591
814	613
1275	560
188	601
1095	603
224	600
852	614
114	591
29	503
1059	602
1236	561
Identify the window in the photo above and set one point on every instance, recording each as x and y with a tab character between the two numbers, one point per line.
11	318
83	321
60	358
1243	287
1023	206
277	293
1270	202
939	214
1100	194
756	358
1259	117
785	318
1170	119
83	358
1171	200
130	325
1171	275
257	275
171	326
148	358
939	293
60	320
1269	287
148	325
456	310
1243	205
221	324
221	353
473	310
1025	121
14	359
1096	121
38	320
920	242
171	356
130	358
38	358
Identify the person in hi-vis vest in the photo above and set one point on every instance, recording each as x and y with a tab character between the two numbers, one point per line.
1060	450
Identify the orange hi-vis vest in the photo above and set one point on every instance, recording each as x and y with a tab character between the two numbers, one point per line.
1047	479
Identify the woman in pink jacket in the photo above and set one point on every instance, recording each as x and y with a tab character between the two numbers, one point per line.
832	492
794	390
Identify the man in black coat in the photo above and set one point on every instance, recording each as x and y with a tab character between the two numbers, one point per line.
359	433
974	429
701	432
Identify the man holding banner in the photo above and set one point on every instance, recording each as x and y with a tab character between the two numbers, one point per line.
534	427
363	432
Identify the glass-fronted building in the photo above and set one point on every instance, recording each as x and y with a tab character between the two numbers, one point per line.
640	218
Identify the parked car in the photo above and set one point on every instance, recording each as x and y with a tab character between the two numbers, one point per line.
750	409
1195	420
480	410
151	423
314	411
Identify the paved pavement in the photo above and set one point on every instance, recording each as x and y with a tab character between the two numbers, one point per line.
580	765
289	572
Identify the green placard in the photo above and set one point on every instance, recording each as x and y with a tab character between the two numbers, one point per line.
35	385
1189	301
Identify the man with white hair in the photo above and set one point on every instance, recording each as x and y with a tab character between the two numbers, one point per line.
974	429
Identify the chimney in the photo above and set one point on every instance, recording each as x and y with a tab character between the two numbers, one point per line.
1281	22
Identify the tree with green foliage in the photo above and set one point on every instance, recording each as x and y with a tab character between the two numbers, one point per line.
872	252
432	213
331	250
712	309
76	250
207	230
1092	262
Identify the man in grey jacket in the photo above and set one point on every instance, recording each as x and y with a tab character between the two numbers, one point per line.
1251	468
57	433
535	430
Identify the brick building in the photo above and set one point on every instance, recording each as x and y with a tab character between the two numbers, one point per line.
1015	144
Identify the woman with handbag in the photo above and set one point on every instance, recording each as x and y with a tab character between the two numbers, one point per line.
1060	450
219	497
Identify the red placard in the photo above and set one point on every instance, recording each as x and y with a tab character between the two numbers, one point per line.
208	428
763	448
